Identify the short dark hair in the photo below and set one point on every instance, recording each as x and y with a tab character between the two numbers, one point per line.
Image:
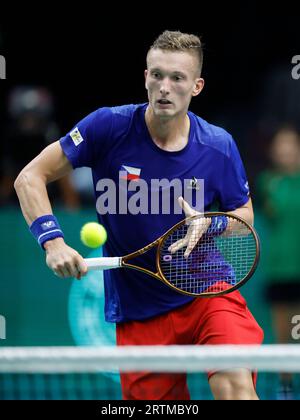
178	41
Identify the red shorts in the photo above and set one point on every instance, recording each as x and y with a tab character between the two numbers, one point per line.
219	320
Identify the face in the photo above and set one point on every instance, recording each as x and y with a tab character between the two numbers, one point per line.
172	79
285	151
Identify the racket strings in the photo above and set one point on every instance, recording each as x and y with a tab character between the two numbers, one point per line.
217	262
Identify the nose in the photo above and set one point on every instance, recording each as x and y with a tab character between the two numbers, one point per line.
165	87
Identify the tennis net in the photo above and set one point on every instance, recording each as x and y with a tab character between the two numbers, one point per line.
84	373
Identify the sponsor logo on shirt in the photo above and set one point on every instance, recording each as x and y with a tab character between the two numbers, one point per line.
247	187
76	137
220	223
194	184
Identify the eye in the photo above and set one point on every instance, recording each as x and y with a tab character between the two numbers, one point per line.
178	78
156	75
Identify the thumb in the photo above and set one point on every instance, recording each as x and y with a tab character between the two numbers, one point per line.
186	207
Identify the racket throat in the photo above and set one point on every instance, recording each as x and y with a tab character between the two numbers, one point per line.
124	264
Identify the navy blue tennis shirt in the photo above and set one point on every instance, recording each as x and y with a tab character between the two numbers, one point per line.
117	139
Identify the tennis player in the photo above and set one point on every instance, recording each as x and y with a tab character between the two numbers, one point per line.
161	139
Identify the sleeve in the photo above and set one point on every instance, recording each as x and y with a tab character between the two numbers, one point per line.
234	188
86	142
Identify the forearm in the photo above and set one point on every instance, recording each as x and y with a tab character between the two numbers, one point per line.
33	196
245	212
30	186
50	165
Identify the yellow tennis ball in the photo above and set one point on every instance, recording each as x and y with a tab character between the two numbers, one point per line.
93	235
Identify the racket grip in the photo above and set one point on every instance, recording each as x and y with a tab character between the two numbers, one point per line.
103	263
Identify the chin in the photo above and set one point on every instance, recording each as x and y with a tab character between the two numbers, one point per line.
164	113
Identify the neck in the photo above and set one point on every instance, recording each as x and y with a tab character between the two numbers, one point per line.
168	134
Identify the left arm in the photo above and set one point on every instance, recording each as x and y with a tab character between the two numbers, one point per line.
245	212
198	229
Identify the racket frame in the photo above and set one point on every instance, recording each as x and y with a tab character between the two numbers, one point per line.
159	243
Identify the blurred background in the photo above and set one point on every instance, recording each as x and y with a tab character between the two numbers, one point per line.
57	75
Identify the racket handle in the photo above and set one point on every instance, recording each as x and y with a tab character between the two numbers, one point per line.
103	263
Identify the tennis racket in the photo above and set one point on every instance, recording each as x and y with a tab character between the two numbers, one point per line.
207	255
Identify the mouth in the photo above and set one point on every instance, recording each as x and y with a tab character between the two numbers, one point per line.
164	102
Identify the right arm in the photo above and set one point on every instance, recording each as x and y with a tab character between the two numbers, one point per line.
50	165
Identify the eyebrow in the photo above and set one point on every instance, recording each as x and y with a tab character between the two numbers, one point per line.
175	72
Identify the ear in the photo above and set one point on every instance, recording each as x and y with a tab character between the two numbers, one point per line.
198	87
146	74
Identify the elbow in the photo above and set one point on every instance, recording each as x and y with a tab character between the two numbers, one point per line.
21	181
28	179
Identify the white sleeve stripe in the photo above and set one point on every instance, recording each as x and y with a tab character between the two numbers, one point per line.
47	233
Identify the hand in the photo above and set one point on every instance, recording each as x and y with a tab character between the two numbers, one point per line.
64	261
195	231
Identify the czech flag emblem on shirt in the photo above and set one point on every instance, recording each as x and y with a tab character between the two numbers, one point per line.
128	173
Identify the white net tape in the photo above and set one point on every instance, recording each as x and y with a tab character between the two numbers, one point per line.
266	358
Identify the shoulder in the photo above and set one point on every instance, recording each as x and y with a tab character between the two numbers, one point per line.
212	136
118	118
123	112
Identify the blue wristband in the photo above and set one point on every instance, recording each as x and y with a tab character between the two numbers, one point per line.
218	225
46	228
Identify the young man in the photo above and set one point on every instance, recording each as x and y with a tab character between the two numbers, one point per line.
158	140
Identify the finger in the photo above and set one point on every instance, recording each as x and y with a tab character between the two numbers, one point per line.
80	271
59	273
193	240
186	207
73	270
178	245
66	271
79	274
81	266
191	245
